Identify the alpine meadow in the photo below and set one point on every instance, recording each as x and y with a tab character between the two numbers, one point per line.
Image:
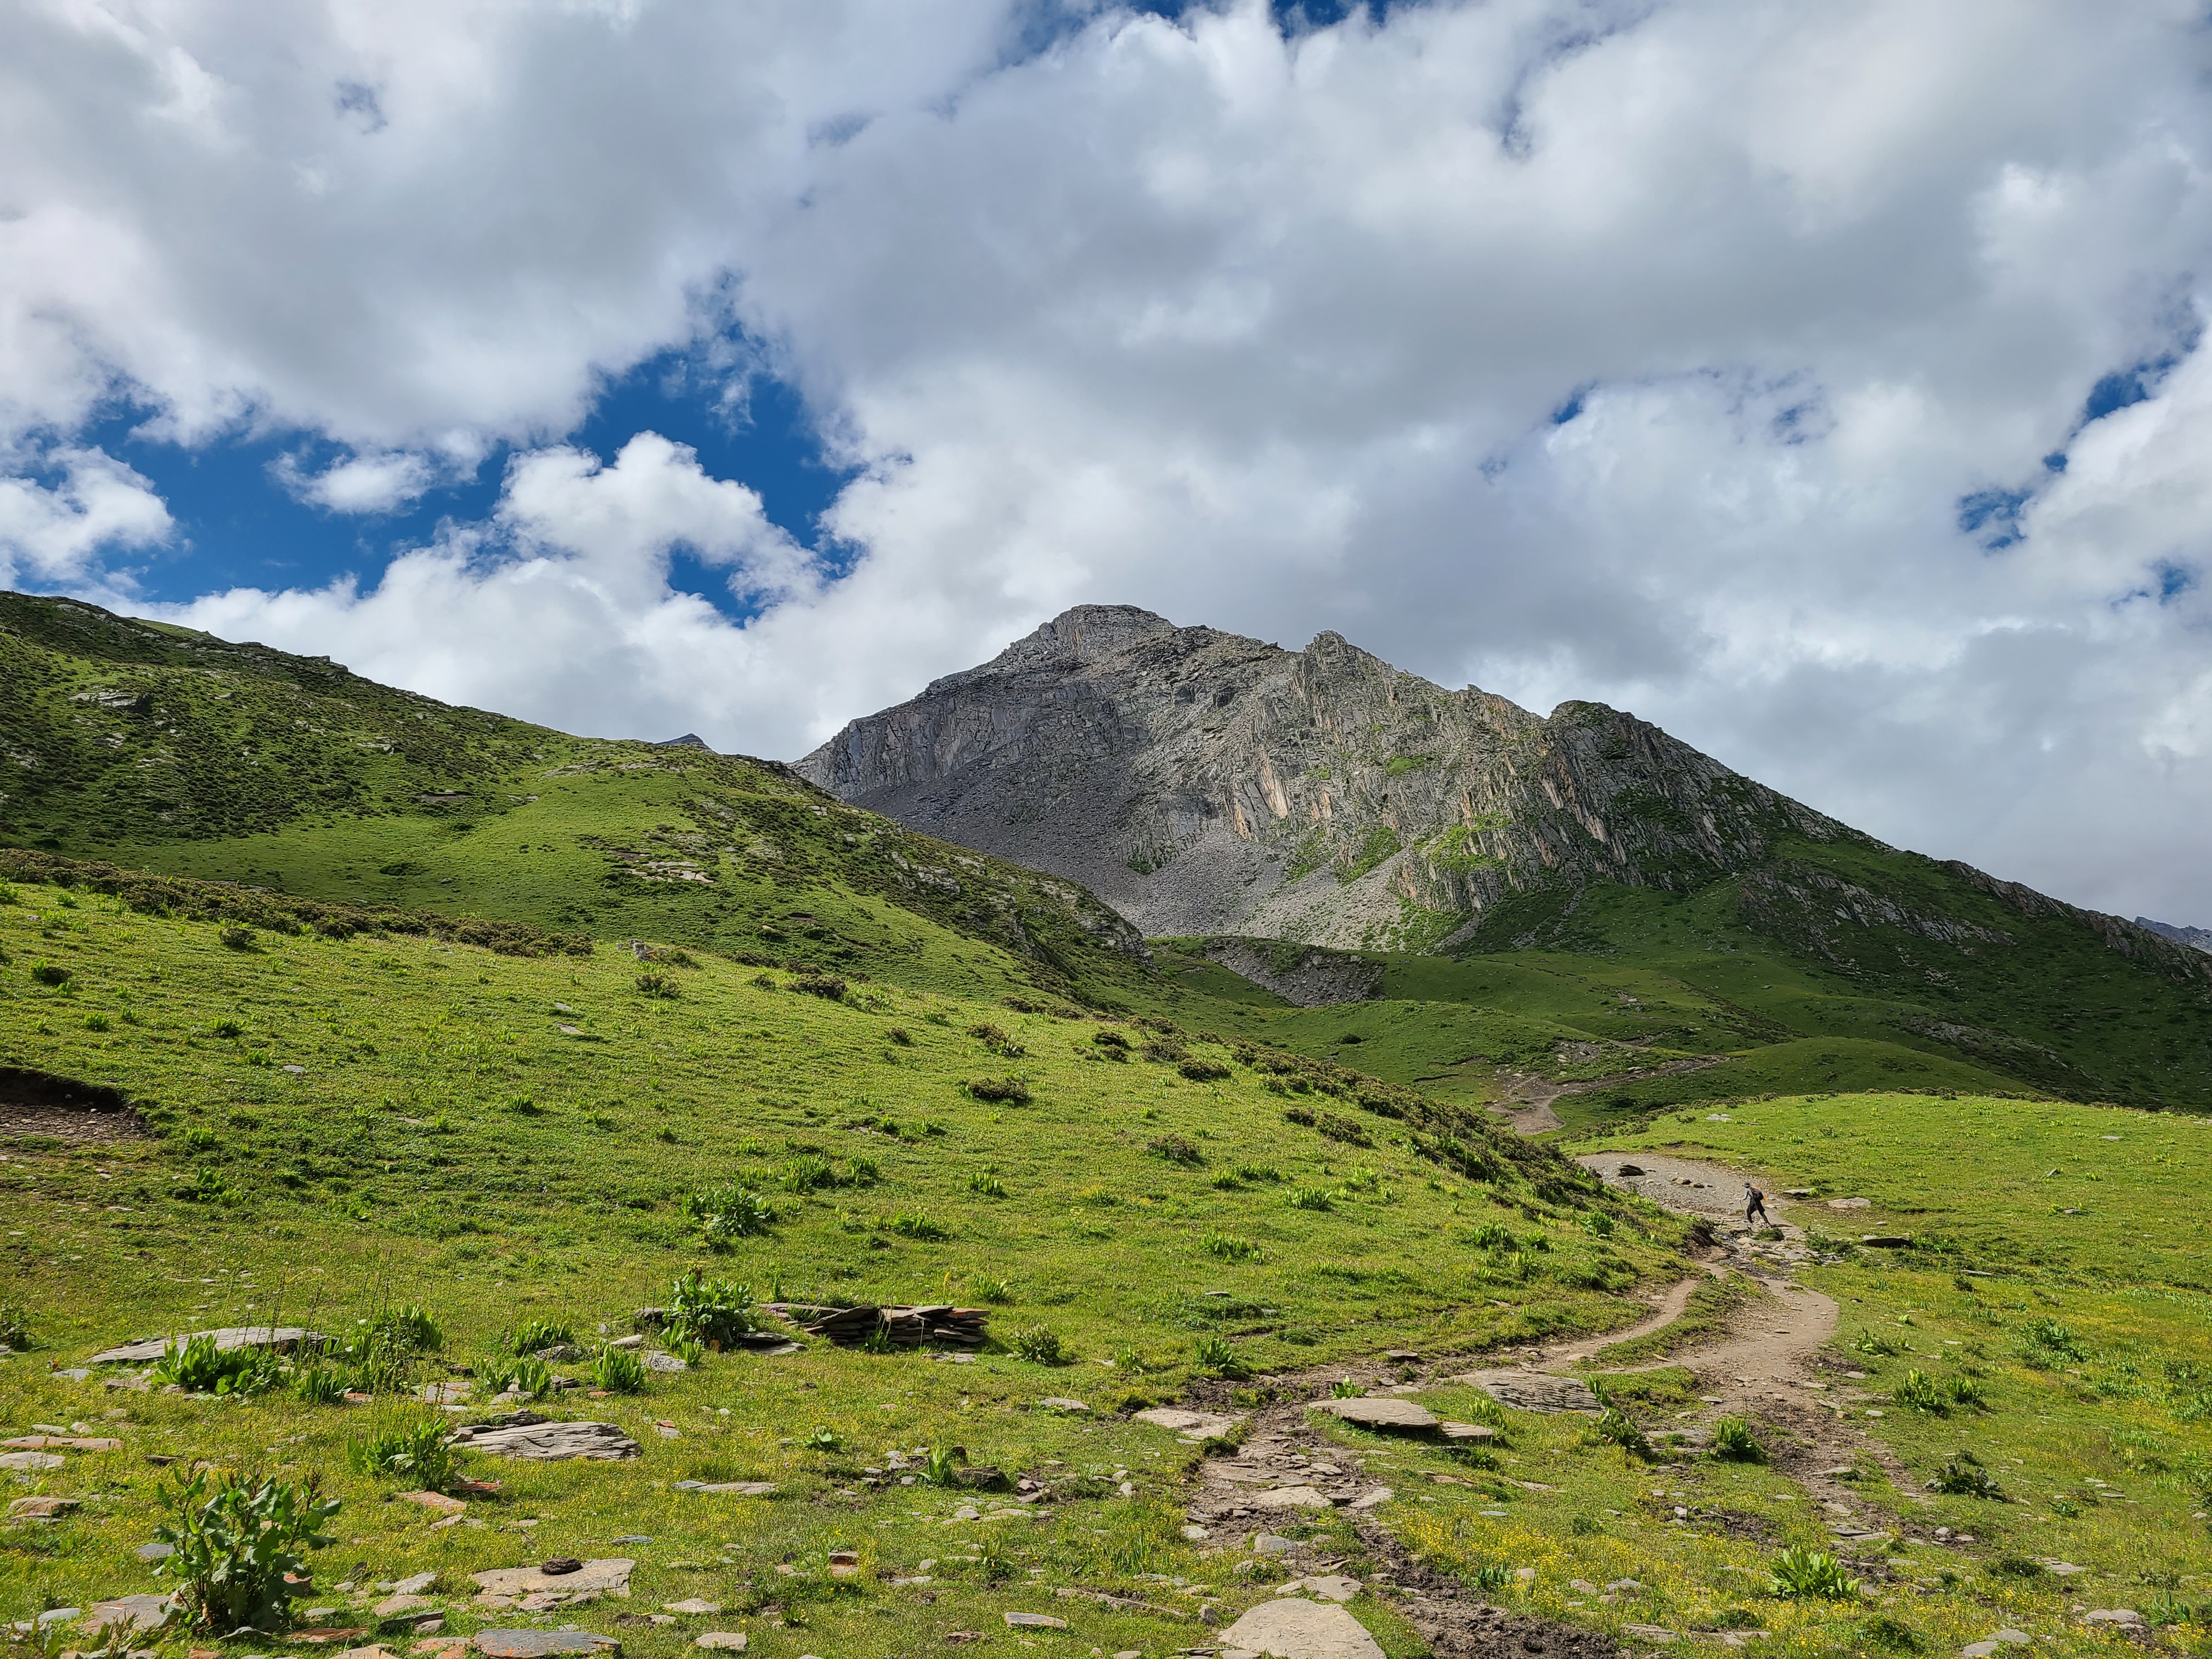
468	1186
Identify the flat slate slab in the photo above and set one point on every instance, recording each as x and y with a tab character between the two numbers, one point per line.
539	1441
227	1340
61	1442
610	1577
1191	1426
1535	1391
542	1644
1299	1629
29	1459
731	1488
133	1612
1289	1498
1382	1411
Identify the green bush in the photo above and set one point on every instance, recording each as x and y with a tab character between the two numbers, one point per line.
417	1454
919	1228
1311	1198
1804	1574
1345	1389
729	1212
940	1467
657	985
530	1377
51	974
15	1326
1177	1150
985	1185
199	1367
618	1370
1007	1091
712	1311
238	1548
235	938
1734	1441
1203	1070
1040	1345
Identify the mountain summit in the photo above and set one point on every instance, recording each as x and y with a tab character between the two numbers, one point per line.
1203	782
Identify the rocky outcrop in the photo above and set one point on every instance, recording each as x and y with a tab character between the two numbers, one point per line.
1203	783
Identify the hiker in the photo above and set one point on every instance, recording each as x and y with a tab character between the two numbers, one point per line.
1754	1204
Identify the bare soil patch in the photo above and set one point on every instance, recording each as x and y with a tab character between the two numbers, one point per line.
64	1109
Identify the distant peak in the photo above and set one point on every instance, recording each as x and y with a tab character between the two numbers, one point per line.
689	740
1082	632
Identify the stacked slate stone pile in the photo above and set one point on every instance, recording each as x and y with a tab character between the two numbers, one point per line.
939	1324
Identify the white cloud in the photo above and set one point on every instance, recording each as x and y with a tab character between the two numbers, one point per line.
1262	332
374	483
58	533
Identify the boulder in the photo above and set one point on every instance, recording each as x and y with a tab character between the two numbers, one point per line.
526	1436
1295	1628
227	1340
1401	1416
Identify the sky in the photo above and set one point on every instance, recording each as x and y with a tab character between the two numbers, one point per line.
1825	383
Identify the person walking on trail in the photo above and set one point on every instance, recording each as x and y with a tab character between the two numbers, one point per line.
1754	1206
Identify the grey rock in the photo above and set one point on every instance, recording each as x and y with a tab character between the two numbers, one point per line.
722	1641
227	1340
1295	1628
1370	1411
1034	1621
542	1644
417	1583
1332	1587
730	1488
136	1612
543	1442
156	1552
1269	1543
28	1461
1535	1391
1191	1426
609	1577
1996	1643
1291	1498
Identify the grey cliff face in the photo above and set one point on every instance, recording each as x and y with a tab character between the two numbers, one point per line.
1205	783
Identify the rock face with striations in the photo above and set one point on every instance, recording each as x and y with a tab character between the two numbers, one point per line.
1205	783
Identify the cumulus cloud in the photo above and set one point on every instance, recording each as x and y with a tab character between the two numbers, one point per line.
1824	383
60	533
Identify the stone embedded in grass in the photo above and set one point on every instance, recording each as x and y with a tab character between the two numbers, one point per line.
393	1606
61	1442
434	1500
1291	1498
1332	1587
41	1509
1535	1391
1297	1628
1034	1621
135	1613
1466	1431
227	1340
724	1641
1061	1403
526	1436
1191	1426
1383	1412
26	1461
694	1605
609	1577
731	1488
542	1644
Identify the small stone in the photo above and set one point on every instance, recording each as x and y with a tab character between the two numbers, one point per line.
1269	1543
1466	1432
135	1612
1851	1203
725	1641
1372	1497
1060	1402
1196	1534
156	1552
434	1500
1335	1587
1624	1586
392	1605
1651	1632
2121	1616
537	1440
41	1509
1191	1426
1034	1621
693	1605
611	1578
29	1460
1291	1497
415	1584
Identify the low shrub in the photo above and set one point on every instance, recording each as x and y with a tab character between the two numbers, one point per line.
417	1454
52	974
318	1385
1040	1345
997	1041
1007	1091
530	1377
618	1370
658	985
729	1212
15	1326
989	1287
238	1547
828	987
235	938
1920	1392
1802	1574
2020	1567
1203	1070
919	1228
1175	1150
1963	1476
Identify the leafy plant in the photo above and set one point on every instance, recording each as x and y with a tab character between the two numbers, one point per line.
528	1377
318	1385
987	1185
658	985
824	1440
1735	1442
536	1335
1965	1391
1920	1392
1963	1476
1873	1342
199	1367
940	1467
1040	1345
1802	1574
618	1370
1230	1248
238	1547
1311	1198
1345	1389
1887	1635
729	1212
1213	1356
714	1311
2020	1567
919	1228
989	1287
1618	1428
417	1453
15	1326
1177	1150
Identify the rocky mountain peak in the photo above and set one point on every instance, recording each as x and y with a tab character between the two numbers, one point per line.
1203	782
